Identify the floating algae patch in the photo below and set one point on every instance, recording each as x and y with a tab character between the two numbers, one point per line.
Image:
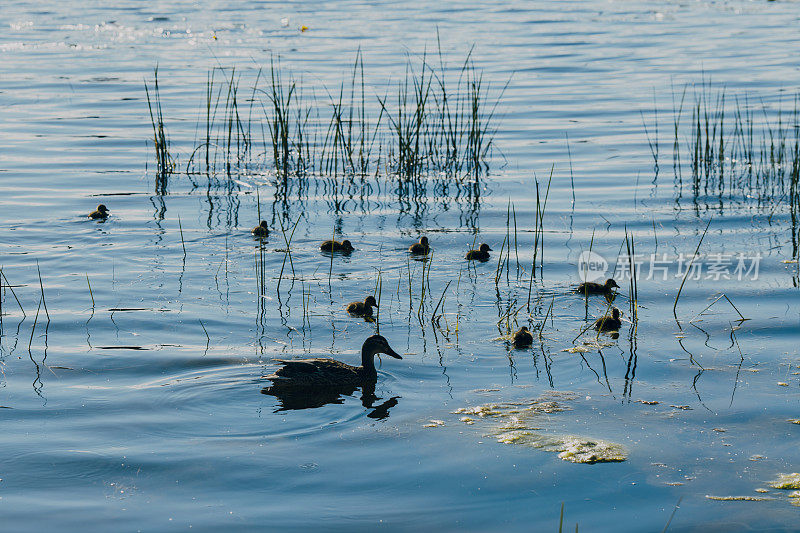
513	437
580	348
588	346
569	447
518	423
481	411
544	405
578	450
787	482
794	498
739	498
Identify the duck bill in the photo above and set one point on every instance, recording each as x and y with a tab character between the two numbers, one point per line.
391	352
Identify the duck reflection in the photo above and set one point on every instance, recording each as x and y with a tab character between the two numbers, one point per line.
298	399
381	411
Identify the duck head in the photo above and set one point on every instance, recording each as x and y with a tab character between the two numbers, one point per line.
375	345
485	248
423	241
347	246
610	284
263	224
369	301
102	208
616	313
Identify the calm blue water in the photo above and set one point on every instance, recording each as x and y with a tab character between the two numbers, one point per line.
137	405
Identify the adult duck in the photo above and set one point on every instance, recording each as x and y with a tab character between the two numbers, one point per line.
343	247
481	254
312	375
590	287
362	308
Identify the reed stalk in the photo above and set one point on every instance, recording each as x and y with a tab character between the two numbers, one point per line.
686	274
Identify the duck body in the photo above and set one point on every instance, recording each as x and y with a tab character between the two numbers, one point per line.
362	308
313	373
420	248
590	287
316	375
481	254
344	247
262	230
609	323
101	213
523	338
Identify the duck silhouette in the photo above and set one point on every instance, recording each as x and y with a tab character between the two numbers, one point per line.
481	254
609	323
318	374
420	248
344	247
101	213
309	383
362	308
523	338
590	287
262	230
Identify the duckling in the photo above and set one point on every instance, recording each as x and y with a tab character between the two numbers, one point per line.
100	213
523	338
262	230
609	323
481	254
311	375
420	248
362	308
343	247
589	287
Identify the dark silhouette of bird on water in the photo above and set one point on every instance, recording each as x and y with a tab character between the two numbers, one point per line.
481	254
362	308
589	287
101	213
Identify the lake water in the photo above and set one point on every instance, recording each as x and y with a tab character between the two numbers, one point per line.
132	397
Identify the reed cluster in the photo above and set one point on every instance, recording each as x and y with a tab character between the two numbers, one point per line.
732	146
165	163
432	121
